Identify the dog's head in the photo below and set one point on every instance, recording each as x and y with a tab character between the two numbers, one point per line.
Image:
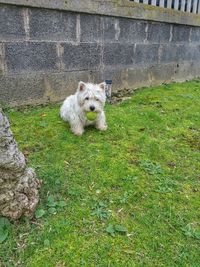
91	97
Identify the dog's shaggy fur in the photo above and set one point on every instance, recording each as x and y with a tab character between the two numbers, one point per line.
89	97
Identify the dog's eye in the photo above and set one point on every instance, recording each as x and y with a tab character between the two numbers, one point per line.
97	99
87	98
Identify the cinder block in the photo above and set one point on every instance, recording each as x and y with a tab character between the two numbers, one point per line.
179	52
146	54
195	34
132	31
114	74
52	25
21	89
196	53
65	83
181	33
158	32
11	23
190	52
81	57
110	29
24	57
91	30
184	52
118	54
169	53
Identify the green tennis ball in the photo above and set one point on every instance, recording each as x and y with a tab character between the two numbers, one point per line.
91	116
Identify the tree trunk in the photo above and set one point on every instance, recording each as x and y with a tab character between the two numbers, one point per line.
18	184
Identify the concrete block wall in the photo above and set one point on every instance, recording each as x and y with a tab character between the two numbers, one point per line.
45	52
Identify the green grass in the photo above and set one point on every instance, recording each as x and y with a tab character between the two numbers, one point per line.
132	193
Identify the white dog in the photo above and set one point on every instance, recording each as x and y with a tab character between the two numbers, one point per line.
89	97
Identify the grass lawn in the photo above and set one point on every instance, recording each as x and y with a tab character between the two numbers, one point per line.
126	197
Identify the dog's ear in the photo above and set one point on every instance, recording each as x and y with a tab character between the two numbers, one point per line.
102	86
81	86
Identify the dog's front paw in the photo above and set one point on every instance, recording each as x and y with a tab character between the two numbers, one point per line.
102	127
78	132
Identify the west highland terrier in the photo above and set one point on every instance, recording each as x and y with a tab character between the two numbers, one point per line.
88	98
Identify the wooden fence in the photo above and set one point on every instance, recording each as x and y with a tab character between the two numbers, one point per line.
191	6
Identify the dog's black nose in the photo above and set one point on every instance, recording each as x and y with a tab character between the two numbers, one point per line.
92	108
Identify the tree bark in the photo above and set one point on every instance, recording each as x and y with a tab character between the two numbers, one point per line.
18	184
